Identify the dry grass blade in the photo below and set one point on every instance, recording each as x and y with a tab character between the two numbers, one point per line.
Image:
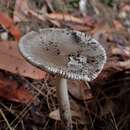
22	114
4	117
114	121
28	107
8	109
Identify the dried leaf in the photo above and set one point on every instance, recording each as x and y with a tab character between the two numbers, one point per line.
124	52
118	53
117	25
11	91
65	17
124	64
35	15
12	61
72	19
21	10
55	115
7	22
76	116
79	90
126	7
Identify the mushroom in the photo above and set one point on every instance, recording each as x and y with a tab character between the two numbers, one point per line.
68	55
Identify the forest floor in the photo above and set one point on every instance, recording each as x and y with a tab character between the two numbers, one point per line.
27	103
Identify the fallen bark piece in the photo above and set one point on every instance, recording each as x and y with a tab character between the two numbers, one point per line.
10	90
12	61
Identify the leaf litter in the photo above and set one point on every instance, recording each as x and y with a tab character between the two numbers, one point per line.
27	103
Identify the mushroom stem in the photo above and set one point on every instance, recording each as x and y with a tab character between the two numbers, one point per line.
64	104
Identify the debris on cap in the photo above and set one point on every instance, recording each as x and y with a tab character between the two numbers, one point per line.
69	54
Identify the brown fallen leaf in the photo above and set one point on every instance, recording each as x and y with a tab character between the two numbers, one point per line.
76	116
123	52
10	90
56	18
20	11
79	90
124	64
67	18
125	7
117	25
35	15
118	53
12	61
7	22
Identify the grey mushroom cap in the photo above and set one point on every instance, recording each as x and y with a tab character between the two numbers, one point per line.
69	54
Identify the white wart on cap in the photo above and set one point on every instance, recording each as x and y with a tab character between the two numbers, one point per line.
69	54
